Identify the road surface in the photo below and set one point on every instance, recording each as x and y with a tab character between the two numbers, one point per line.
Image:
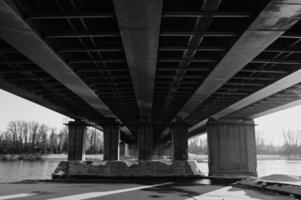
182	190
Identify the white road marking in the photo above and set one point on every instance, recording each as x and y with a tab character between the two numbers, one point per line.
106	193
230	193
14	196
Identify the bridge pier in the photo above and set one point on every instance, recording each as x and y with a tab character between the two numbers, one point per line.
180	140
145	142
132	150
232	148
111	132
77	132
146	165
121	150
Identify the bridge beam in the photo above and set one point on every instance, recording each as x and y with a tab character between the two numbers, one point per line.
232	148
15	31
275	19
139	23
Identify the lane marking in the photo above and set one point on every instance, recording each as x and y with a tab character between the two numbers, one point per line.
225	193
89	195
14	196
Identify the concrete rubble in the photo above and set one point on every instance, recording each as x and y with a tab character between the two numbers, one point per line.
127	169
279	183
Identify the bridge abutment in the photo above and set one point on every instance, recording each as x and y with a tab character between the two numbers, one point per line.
232	148
77	132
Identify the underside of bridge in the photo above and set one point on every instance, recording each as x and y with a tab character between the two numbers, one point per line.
152	73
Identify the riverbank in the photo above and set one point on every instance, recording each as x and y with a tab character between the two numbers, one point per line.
25	157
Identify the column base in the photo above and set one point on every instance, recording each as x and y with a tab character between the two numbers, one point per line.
126	169
233	173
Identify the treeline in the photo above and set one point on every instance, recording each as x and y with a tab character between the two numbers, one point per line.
291	144
33	137
198	145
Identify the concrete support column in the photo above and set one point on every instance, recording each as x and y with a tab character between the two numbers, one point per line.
232	148
180	140
145	142
167	150
111	132
77	133
132	150
121	149
158	150
162	151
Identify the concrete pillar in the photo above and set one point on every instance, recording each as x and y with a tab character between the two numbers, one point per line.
76	137
231	147
132	150
121	149
167	150
180	140
158	150
111	132
162	151
145	142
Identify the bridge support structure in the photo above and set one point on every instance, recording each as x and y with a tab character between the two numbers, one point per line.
121	150
111	132
145	142
132	150
232	148
150	160
77	132
180	140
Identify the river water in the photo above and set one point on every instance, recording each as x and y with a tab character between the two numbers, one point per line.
11	171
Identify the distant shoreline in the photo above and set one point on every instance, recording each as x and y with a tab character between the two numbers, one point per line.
26	157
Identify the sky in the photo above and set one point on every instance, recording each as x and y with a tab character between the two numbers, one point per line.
16	108
13	108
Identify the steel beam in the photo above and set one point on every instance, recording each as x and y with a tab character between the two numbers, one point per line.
191	33
282	84
43	16
206	14
103	15
277	109
15	31
139	24
277	17
284	17
78	50
81	35
197	48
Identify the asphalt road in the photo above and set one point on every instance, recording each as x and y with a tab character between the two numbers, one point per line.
189	190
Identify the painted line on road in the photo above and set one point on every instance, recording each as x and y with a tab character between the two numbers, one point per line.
90	195
230	193
15	196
